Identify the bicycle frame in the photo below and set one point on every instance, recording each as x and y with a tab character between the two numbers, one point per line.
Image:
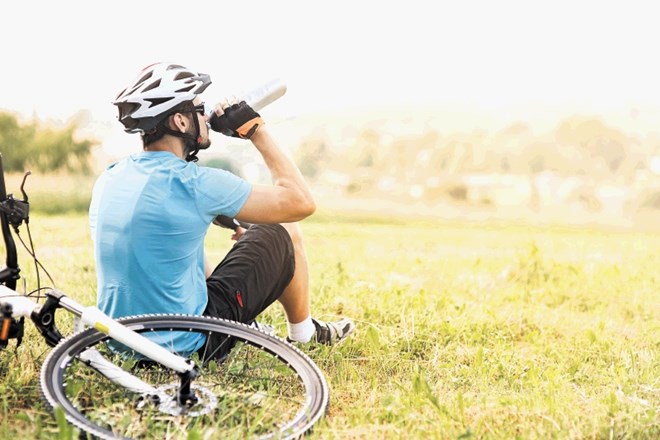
14	305
91	316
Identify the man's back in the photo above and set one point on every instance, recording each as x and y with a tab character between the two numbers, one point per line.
148	218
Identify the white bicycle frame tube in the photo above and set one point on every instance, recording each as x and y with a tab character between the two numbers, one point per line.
114	373
93	317
21	305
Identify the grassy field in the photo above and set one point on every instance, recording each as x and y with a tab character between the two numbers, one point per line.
484	331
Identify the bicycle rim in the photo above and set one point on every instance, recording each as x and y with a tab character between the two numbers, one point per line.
264	387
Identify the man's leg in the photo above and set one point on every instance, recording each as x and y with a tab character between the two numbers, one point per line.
253	274
295	297
267	263
296	302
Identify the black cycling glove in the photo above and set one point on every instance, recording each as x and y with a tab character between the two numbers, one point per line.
239	120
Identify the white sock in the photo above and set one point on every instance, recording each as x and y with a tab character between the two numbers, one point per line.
301	331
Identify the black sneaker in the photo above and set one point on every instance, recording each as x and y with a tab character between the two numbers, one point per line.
331	333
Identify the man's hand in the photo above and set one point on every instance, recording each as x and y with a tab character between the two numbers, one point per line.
238	233
235	119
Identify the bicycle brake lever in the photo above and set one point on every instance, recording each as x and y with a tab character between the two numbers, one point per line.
25	196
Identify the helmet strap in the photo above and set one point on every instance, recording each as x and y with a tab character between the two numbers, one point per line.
192	142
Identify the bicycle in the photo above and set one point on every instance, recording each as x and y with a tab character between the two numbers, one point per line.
115	378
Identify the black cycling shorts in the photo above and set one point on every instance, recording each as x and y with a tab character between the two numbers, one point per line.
253	274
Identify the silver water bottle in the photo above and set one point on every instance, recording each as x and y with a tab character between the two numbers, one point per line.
263	95
266	93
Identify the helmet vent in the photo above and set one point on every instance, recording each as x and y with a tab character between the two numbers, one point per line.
157	101
186	89
183	75
145	77
153	85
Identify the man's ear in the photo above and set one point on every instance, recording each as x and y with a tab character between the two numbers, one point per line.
179	122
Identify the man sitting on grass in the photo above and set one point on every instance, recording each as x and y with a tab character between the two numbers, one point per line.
150	213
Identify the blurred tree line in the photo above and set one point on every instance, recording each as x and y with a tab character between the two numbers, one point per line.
43	147
376	159
577	146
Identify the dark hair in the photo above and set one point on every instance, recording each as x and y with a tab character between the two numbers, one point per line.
159	131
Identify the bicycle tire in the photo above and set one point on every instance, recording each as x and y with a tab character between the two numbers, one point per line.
284	399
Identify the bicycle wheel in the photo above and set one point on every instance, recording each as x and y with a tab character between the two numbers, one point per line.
264	387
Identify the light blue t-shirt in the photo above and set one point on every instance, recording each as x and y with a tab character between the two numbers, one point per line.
148	217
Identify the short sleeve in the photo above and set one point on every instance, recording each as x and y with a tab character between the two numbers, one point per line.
220	192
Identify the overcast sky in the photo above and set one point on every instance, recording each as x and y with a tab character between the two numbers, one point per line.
62	56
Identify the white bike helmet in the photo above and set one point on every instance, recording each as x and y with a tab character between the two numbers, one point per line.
158	89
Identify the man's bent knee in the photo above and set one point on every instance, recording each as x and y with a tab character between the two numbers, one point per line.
295	232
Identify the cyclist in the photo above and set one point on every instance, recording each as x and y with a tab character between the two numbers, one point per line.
150	212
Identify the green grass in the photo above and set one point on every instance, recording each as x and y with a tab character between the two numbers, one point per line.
465	330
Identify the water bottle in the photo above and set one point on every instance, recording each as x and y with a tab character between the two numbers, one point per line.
261	96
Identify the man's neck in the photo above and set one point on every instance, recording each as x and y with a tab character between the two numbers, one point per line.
167	143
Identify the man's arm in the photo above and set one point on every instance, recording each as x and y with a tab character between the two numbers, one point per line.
288	199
